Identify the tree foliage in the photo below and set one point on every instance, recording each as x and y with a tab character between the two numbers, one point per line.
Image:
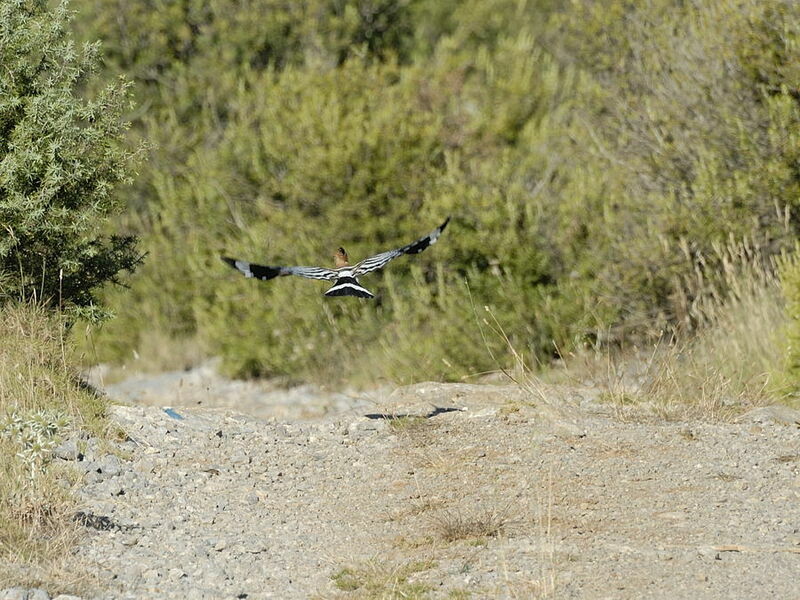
61	159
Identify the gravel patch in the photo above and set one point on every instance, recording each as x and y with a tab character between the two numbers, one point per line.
450	490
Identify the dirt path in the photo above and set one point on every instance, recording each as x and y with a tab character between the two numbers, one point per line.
474	492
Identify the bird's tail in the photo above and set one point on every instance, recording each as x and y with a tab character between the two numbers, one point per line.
349	286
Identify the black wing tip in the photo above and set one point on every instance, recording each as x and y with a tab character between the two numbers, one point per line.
443	225
228	260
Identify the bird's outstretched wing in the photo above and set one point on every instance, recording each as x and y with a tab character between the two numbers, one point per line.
373	263
265	272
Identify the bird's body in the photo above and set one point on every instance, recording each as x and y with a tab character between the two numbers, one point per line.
344	275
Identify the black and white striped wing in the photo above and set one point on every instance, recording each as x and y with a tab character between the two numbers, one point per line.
265	272
311	272
373	263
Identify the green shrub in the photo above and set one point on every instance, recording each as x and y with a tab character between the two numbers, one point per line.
60	162
313	159
692	130
593	155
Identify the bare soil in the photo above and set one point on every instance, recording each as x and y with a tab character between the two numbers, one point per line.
439	491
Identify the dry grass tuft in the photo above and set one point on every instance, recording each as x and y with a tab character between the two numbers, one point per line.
734	359
37	372
453	526
407	423
729	354
383	580
41	401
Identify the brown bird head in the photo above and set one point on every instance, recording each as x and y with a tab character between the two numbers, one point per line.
340	258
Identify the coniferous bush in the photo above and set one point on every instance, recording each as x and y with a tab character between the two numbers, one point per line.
61	160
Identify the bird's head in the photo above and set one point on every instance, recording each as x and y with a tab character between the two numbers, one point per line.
340	258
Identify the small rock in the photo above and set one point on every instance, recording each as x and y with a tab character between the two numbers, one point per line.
68	450
92	476
38	594
110	488
487	412
88	466
66	597
110	465
240	458
254	547
14	593
151	575
92	448
128	446
145	466
707	551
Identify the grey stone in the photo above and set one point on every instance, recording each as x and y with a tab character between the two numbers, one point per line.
93	476
38	594
88	466
111	488
145	466
220	545
110	465
15	593
92	449
67	450
240	458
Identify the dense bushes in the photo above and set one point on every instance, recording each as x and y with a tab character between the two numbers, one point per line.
698	146
595	156
60	162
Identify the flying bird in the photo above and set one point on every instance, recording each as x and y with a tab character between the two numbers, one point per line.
344	275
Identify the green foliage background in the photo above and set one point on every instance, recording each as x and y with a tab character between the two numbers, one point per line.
61	158
594	156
